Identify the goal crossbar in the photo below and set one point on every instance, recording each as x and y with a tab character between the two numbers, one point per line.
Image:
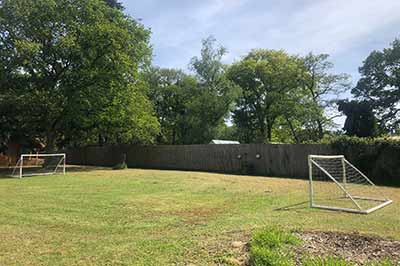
343	175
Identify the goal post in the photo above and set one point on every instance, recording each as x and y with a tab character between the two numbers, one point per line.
39	164
336	184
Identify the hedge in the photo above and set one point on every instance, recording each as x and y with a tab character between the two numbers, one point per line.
378	158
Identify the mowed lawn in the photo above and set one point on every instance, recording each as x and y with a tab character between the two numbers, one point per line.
150	217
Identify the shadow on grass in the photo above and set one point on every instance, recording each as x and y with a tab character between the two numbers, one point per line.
297	206
5	172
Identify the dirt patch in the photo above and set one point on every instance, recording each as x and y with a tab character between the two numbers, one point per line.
242	250
351	247
355	248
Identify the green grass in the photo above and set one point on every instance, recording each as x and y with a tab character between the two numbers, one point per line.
149	217
272	247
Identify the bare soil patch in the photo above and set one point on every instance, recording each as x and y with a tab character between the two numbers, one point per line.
352	247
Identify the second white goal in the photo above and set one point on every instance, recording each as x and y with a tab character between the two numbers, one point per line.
336	184
39	164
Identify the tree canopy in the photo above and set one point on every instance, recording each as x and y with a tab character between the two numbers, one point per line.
171	92
215	93
268	79
324	87
379	85
192	108
360	121
69	72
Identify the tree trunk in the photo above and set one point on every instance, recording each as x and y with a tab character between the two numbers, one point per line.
262	135
270	124
269	132
296	138
173	136
320	129
50	141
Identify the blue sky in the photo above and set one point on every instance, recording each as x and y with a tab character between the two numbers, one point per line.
348	30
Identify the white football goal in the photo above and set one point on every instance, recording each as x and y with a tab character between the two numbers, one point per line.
39	164
336	184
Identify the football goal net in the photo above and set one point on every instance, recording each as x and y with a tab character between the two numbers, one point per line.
336	184
39	164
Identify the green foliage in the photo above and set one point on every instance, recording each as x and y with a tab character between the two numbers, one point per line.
379	85
325	87
214	97
284	98
226	132
171	92
273	238
378	158
269	82
70	70
192	109
344	141
360	121
114	4
270	246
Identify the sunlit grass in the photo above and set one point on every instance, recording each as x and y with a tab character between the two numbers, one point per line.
150	217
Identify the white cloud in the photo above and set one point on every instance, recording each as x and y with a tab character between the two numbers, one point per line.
336	25
342	28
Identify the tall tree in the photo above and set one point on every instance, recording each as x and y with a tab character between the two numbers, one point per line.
215	93
324	87
379	85
360	121
171	91
267	79
298	116
71	69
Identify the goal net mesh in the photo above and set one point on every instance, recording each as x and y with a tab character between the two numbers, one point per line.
337	183
39	164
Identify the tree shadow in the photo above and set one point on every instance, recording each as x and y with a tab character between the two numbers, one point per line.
5	172
297	206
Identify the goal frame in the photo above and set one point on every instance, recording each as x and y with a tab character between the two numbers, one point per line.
382	202
20	164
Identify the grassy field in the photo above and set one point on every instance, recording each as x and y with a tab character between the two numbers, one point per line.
150	217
